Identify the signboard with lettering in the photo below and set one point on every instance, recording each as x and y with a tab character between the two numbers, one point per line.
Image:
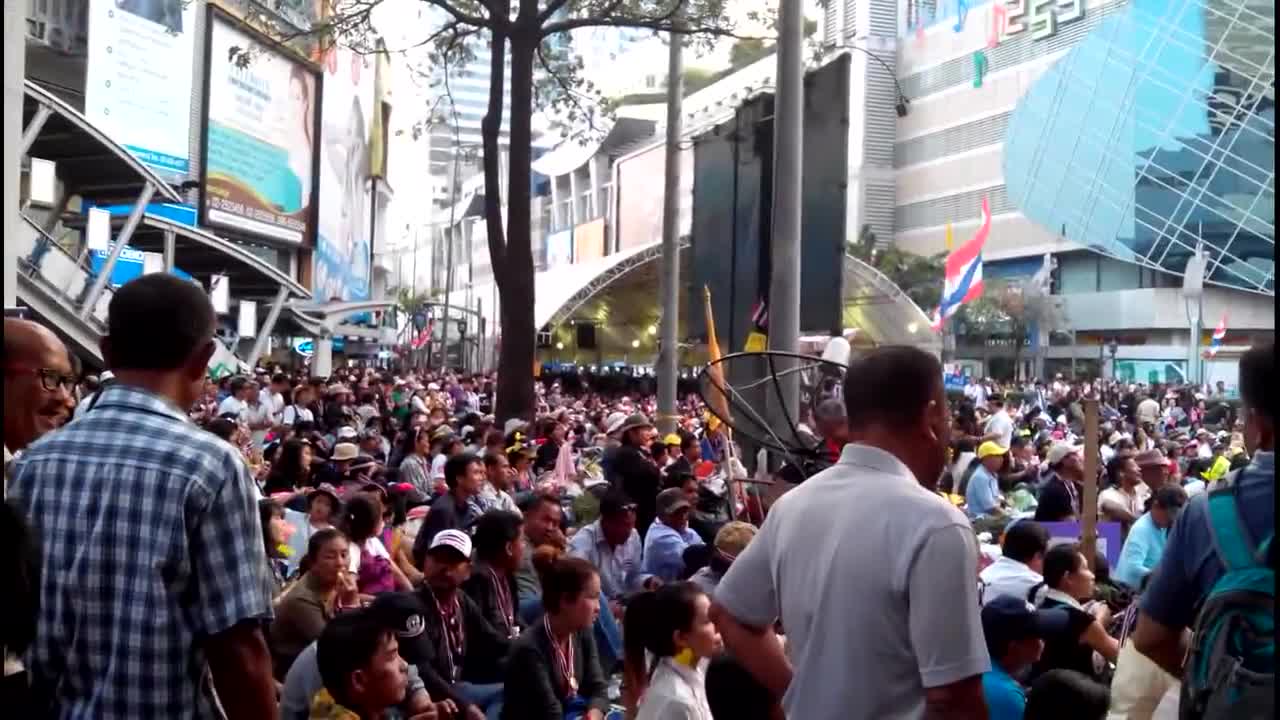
1042	17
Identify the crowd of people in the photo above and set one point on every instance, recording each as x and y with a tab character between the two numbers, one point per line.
378	545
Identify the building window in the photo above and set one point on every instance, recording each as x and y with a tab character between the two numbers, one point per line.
1077	273
1118	275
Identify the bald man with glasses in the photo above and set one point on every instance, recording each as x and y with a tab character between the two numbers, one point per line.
39	382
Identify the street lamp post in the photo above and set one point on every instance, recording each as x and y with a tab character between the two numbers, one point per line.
1193	297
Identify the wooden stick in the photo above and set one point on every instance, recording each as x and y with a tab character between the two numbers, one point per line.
1089	504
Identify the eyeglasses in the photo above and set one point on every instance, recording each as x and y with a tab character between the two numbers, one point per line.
51	380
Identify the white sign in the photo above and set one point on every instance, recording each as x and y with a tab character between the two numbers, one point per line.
99	230
43	181
220	294
152	263
248	320
141	58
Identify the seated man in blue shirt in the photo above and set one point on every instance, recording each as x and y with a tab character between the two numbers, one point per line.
669	536
612	544
1190	566
1015	638
982	496
1145	544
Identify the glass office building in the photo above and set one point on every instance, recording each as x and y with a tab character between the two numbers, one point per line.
1155	134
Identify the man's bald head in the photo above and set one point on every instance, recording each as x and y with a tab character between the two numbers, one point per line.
25	340
38	377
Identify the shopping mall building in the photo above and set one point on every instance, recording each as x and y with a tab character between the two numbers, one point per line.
1109	139
1113	137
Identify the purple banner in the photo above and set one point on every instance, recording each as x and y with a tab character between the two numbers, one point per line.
1109	542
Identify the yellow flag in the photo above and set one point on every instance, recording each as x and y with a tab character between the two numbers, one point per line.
716	398
950	242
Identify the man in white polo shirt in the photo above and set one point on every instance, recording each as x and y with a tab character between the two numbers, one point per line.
872	574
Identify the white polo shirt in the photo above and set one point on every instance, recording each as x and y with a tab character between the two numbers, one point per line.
873	578
1007	576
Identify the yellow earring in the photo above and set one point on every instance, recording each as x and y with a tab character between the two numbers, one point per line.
685	657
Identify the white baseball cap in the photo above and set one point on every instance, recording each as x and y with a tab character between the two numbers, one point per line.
455	539
1059	451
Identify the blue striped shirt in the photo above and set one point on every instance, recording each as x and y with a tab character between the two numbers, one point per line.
150	544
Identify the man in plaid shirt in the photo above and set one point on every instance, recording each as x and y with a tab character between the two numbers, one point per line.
154	583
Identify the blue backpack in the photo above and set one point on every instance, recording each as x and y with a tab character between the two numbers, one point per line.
1230	672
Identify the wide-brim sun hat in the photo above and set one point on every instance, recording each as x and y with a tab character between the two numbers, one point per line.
634	422
344	451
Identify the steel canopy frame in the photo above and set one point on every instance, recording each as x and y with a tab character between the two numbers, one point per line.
610	275
48	105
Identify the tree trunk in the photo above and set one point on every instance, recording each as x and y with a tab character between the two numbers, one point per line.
514	274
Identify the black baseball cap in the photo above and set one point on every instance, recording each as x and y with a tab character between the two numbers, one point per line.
1009	618
402	613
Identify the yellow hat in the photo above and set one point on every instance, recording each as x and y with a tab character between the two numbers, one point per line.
672	439
989	448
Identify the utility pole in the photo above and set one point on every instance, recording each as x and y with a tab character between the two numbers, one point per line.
668	370
788	147
15	48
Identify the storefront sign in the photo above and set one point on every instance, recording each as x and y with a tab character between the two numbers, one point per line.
1042	17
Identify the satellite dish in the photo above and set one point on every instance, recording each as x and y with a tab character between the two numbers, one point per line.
752	408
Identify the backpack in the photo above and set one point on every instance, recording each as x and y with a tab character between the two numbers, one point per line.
1230	672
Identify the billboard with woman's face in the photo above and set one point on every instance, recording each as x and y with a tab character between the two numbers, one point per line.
343	237
259	138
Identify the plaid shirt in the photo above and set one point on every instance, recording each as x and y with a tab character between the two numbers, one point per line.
151	543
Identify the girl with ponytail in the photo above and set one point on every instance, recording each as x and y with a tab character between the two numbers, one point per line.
671	623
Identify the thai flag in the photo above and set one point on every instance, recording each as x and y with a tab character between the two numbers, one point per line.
963	279
1219	334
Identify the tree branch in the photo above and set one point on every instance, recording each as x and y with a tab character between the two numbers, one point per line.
492	22
660	24
573	95
554	5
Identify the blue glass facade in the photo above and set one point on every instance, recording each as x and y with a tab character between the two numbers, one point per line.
1155	134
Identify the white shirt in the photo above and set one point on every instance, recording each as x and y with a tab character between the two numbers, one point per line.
255	416
1148	411
1007	576
676	692
437	466
887	570
232	406
1001	424
274	402
1130	503
295	414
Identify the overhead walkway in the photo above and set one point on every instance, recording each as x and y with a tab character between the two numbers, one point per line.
62	288
55	279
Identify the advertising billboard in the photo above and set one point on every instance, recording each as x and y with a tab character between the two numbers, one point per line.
588	241
559	248
343	245
141	58
260	136
640	188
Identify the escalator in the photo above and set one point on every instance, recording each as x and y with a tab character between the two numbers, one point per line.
52	283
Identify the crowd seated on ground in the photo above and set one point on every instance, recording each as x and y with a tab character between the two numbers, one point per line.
426	560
